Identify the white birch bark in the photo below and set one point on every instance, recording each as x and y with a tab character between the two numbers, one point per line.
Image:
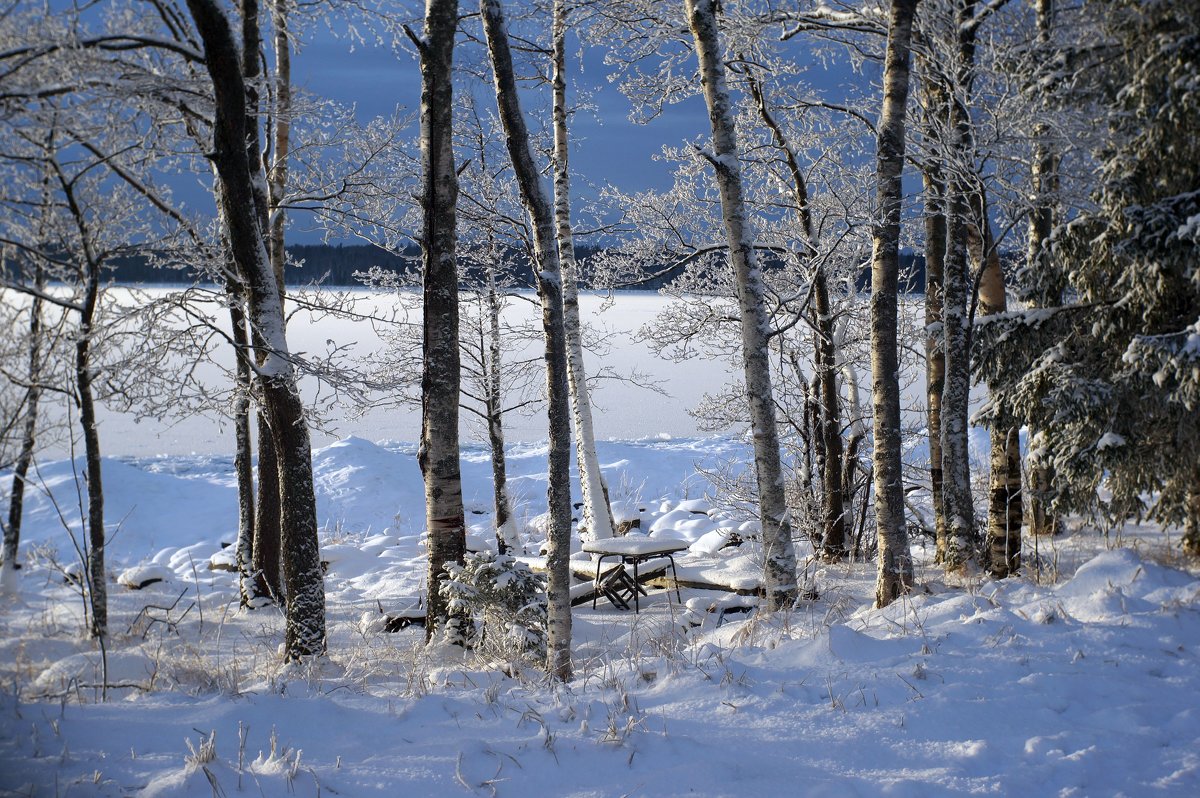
596	516
956	390
549	277
440	375
895	562
779	568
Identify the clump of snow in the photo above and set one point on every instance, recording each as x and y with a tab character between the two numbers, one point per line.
139	576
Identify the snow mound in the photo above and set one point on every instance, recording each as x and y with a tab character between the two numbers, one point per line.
139	576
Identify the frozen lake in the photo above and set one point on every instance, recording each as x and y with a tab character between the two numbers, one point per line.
624	410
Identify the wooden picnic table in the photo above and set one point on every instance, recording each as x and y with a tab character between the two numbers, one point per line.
632	550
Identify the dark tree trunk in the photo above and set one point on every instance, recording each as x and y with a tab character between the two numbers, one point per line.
541	215
239	175
895	563
16	502
439	452
98	587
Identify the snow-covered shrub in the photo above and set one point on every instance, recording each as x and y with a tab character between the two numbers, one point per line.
503	604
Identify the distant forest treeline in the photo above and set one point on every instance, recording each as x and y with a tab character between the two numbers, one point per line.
336	265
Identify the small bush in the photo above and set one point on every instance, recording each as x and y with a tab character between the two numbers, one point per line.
502	604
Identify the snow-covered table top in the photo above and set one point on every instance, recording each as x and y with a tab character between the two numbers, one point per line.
635	546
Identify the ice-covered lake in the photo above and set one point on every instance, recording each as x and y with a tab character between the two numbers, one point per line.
625	409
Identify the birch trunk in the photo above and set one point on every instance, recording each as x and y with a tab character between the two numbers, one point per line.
934	180
895	563
268	549
93	472
956	485
506	529
240	179
243	465
1044	182
440	374
935	357
596	515
779	571
549	281
956	392
33	394
1002	545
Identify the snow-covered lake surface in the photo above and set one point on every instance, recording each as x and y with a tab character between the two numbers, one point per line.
1079	679
653	404
624	409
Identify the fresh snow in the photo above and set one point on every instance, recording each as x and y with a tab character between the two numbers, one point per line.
1080	683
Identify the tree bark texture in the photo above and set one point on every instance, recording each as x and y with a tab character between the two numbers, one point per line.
33	394
506	529
1044	184
596	515
97	584
239	175
935	357
779	568
549	281
440	373
243	455
956	391
895	574
934	179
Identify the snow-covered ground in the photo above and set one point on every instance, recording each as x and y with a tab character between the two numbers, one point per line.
1080	679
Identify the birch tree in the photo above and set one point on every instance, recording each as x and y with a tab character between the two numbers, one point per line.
779	569
895	563
549	277
439	451
596	516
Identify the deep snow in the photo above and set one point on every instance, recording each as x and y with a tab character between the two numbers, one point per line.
1083	681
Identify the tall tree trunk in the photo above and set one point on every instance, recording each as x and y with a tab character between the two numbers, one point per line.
439	452
934	180
268	532
895	562
267	558
506	528
833	502
549	277
97	584
1002	545
239	175
596	515
278	174
779	575
935	356
12	531
1044	182
956	391
249	579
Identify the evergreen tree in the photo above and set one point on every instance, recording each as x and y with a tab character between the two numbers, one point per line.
1113	382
